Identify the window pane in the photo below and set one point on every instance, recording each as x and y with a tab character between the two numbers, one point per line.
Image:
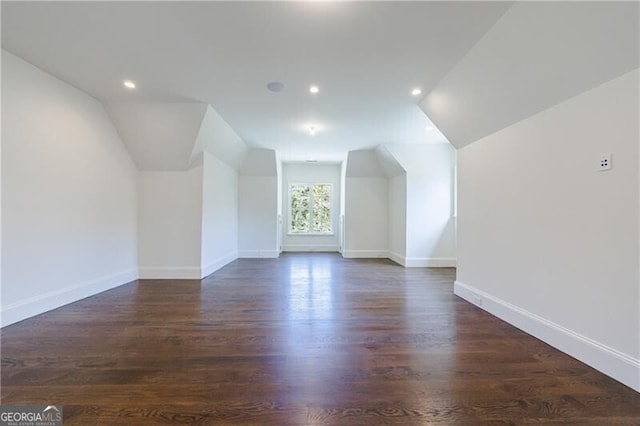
300	200
322	208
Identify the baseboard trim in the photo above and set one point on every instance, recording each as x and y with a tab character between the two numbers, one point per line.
311	248
169	272
603	358
365	254
185	272
430	262
42	303
423	262
398	258
217	264
258	254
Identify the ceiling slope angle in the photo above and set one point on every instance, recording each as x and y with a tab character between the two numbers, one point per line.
260	162
388	162
219	139
536	56
158	136
225	53
364	163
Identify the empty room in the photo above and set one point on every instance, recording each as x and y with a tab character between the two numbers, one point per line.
320	213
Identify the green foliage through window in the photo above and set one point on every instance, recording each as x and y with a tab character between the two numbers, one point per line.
310	209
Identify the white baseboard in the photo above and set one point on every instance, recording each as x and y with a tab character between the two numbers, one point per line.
311	247
430	262
218	263
169	272
423	262
258	254
398	258
365	254
185	272
36	305
618	365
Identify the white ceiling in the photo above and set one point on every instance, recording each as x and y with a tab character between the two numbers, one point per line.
159	136
517	70
365	57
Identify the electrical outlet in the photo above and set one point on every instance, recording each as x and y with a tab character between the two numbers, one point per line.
604	163
477	300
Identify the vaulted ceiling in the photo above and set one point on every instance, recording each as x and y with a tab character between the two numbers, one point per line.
202	68
365	57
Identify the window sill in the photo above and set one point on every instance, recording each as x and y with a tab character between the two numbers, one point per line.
310	234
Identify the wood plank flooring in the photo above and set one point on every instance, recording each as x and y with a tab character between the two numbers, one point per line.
302	340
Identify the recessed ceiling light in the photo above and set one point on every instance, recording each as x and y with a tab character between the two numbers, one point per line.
314	89
430	128
275	86
416	92
312	130
129	84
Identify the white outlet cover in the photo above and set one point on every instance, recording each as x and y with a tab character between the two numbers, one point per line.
604	162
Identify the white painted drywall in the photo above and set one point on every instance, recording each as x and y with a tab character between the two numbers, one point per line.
259	162
219	214
170	223
220	140
279	201
366	206
366	218
343	197
257	205
1	322
159	135
69	195
363	163
389	164
258	216
398	218
311	173
430	239
549	242
535	56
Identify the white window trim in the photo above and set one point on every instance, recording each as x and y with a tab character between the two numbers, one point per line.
311	204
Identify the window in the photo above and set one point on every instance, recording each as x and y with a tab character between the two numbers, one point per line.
310	208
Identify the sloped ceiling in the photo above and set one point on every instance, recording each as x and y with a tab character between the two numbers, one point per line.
389	164
159	136
364	163
260	162
219	139
537	55
365	56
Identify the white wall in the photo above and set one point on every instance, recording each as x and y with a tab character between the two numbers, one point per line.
366	217
257	205
548	243
517	69
343	197
311	173
366	201
69	195
219	214
188	221
170	223
398	218
159	135
220	140
1	322
257	215
430	238
279	202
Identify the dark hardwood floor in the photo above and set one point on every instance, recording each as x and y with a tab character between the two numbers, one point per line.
301	340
